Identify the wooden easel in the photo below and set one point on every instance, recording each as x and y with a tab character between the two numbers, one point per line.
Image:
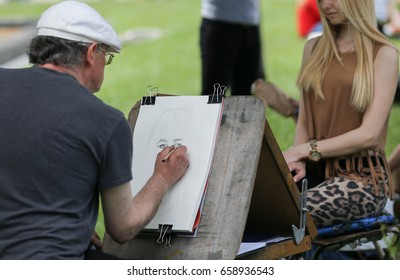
246	156
276	216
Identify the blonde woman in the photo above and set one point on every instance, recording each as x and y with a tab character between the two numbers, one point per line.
348	80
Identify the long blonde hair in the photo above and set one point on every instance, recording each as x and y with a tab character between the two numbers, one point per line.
363	24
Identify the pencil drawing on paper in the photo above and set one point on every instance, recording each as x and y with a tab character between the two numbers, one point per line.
168	130
175	121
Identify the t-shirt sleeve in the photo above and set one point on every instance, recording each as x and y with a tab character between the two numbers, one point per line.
116	167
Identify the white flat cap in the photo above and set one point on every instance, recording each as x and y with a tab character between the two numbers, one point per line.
77	21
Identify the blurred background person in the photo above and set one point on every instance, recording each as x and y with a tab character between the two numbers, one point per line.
308	19
388	16
231	53
230	45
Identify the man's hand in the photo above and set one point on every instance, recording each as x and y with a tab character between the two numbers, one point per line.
172	163
125	216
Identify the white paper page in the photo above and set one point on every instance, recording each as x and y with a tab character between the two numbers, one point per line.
247	247
186	120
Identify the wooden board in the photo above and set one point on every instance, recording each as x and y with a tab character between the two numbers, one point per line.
228	196
275	204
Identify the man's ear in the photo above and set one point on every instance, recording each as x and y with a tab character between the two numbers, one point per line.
90	54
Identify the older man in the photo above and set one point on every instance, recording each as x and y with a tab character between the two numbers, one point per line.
61	146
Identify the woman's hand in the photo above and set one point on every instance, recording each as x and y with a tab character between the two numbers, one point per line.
295	162
298	170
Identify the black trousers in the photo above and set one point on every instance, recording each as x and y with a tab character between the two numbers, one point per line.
230	56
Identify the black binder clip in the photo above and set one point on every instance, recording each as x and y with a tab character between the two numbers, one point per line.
165	235
150	98
218	94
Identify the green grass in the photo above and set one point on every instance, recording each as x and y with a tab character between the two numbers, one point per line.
172	63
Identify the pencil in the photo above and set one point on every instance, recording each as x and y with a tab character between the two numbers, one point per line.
169	154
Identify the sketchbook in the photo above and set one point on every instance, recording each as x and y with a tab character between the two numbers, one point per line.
192	121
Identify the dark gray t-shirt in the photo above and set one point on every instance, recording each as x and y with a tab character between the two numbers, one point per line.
59	145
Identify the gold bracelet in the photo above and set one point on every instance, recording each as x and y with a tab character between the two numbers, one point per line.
315	153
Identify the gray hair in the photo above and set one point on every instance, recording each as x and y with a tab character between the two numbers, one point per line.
58	51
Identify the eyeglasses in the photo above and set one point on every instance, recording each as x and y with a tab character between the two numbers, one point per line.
109	56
